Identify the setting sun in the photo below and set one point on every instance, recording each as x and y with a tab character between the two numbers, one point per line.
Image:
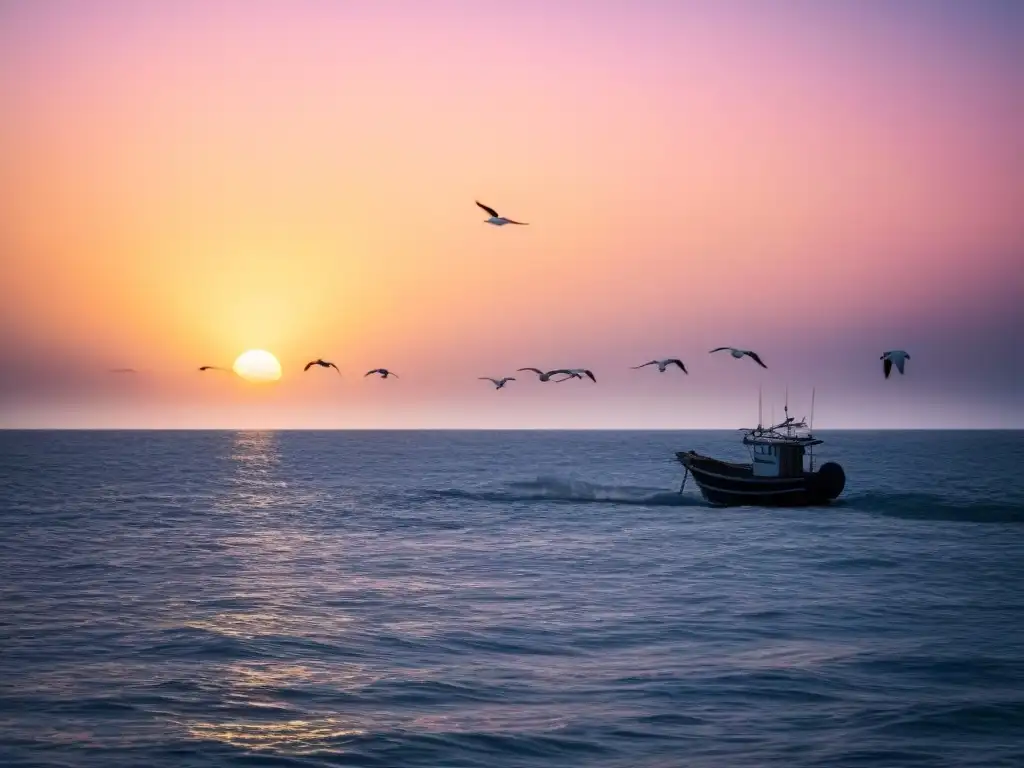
257	365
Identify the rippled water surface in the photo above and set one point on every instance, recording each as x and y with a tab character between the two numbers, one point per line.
503	599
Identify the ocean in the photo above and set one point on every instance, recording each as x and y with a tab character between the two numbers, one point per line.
504	599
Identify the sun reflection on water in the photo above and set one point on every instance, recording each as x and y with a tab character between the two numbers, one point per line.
273	723
293	737
265	592
255	484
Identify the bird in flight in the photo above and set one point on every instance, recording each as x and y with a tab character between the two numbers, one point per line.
496	220
540	374
738	353
322	364
574	373
498	383
893	356
663	364
384	373
212	368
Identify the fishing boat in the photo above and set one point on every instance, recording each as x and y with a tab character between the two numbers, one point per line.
776	475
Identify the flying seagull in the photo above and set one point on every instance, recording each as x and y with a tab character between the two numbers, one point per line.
663	364
496	220
322	364
498	383
574	373
897	356
540	374
738	353
384	373
212	368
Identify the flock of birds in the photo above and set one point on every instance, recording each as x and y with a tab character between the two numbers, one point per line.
897	357
893	357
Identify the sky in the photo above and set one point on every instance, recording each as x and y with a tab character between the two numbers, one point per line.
821	182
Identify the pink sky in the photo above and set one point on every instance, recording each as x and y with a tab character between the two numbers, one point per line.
817	181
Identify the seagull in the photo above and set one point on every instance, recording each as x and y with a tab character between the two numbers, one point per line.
322	364
212	368
738	353
897	356
498	383
663	364
574	373
384	373
540	374
496	220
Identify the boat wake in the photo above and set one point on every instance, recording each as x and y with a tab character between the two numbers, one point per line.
579	491
931	506
910	506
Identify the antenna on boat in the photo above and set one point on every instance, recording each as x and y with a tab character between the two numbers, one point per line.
810	432
810	426
785	407
759	420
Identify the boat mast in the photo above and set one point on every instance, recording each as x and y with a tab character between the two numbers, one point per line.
785	409
759	421
810	432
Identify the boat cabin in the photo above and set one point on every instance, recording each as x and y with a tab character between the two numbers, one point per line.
777	459
775	453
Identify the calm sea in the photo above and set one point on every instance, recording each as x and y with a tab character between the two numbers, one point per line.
504	599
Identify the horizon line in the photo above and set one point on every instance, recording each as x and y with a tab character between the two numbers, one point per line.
489	429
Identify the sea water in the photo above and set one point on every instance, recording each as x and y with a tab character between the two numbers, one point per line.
504	599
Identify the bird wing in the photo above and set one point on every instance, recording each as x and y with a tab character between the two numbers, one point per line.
591	375
535	370
309	365
562	370
332	365
653	362
520	223
510	378
375	370
899	363
719	349
887	366
572	376
490	210
678	362
753	356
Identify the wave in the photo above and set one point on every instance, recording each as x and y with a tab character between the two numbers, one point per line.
579	491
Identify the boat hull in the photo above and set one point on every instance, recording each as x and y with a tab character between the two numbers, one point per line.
726	484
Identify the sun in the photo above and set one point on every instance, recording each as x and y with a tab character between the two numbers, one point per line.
257	365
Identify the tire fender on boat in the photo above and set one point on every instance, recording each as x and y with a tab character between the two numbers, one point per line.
829	480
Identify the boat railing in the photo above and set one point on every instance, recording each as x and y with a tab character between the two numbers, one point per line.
786	430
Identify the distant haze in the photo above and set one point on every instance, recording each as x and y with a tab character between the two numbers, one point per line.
817	181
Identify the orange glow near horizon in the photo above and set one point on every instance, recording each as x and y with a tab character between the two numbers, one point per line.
194	179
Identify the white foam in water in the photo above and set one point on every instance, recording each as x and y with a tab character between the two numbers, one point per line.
566	489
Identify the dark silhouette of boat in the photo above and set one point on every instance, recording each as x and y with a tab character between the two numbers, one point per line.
776	475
